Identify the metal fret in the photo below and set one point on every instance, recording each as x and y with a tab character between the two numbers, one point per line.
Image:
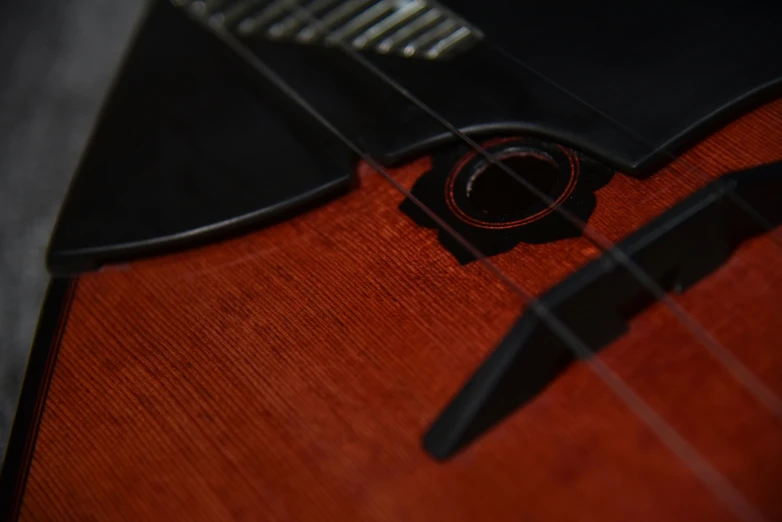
441	30
332	20
288	26
233	13
407	28
370	15
444	44
400	16
270	13
403	34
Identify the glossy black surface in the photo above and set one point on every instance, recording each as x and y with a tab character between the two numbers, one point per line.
660	69
194	145
626	86
594	305
189	147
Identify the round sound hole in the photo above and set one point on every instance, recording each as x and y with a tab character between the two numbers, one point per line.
494	191
485	195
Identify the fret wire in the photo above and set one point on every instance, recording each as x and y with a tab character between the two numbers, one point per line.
403	14
438	31
333	18
361	21
234	13
268	14
447	43
419	24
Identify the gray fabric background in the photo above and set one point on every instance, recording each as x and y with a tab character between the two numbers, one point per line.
57	58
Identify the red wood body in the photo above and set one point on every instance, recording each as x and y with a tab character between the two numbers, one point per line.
290	374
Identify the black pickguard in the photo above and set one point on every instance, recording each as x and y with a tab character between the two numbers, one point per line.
192	145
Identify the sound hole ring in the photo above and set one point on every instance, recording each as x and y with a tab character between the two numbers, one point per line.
472	165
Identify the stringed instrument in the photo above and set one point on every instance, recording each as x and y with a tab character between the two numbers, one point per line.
415	260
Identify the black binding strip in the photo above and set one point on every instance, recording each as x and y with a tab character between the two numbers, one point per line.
677	249
40	365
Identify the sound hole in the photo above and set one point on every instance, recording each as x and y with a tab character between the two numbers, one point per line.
495	192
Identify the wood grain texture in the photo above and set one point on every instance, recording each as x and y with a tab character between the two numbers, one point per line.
290	374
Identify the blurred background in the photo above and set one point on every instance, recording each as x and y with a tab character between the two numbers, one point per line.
57	59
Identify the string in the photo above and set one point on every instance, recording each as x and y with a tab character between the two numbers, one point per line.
762	393
722	489
728	359
736	198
